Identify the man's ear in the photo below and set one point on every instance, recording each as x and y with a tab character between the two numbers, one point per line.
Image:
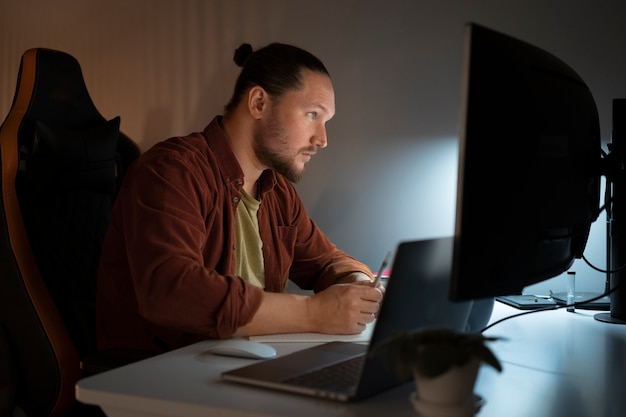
257	101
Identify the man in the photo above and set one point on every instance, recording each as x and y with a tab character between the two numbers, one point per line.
208	228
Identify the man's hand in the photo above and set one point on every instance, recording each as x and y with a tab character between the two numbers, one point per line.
361	279
345	308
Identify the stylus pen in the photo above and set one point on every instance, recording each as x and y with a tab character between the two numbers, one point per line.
382	269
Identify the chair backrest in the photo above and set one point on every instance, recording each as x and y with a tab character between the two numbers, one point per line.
61	165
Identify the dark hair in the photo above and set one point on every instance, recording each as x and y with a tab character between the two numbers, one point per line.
276	68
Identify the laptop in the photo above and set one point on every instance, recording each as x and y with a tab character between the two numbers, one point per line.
416	297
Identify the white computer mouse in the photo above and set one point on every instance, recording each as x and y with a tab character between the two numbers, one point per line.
242	348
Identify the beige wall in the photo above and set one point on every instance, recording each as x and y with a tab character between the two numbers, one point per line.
162	65
389	173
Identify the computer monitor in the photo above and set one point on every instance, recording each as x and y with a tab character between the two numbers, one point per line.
529	167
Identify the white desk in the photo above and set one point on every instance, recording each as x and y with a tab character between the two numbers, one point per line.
555	364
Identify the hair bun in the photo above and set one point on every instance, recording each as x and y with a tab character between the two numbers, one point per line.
242	54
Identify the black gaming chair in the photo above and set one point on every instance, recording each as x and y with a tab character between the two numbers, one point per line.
61	165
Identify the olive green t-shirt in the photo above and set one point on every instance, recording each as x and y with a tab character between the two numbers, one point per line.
248	244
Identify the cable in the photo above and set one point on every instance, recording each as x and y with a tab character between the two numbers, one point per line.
600	269
555	307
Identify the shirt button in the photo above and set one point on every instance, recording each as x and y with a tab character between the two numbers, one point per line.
235	199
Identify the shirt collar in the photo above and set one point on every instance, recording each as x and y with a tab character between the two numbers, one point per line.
229	166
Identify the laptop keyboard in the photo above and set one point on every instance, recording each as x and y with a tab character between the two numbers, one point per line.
337	377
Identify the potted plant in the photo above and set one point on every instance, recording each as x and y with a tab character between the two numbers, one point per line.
444	364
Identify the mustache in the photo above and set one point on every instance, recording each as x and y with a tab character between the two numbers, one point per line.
311	150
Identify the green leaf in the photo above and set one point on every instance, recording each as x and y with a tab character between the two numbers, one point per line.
431	352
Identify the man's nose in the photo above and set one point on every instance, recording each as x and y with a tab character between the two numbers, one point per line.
320	139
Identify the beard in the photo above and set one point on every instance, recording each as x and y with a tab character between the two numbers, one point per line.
270	143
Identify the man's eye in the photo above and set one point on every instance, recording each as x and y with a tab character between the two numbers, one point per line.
312	115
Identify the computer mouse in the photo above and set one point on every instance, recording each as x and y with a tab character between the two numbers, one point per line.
242	348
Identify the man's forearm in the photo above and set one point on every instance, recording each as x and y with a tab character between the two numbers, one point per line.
339	309
280	313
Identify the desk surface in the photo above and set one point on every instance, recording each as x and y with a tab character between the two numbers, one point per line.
555	364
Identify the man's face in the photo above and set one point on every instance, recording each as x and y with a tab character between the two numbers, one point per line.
295	126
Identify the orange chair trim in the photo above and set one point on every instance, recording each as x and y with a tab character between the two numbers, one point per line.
52	322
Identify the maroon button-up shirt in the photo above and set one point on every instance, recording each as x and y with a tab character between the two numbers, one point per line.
166	270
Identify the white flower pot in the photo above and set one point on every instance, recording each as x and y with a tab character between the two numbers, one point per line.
448	395
455	386
426	409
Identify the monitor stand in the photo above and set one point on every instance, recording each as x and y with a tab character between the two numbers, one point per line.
608	318
616	223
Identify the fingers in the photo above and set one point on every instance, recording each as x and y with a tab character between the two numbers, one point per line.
366	299
362	306
369	307
346	308
367	291
367	318
381	287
